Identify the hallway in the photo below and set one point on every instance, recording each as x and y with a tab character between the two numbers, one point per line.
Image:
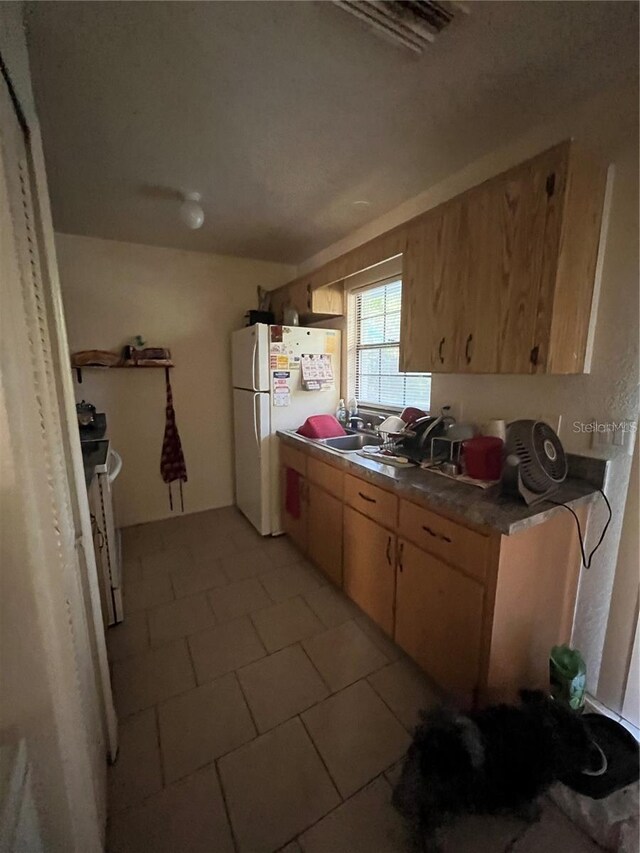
260	710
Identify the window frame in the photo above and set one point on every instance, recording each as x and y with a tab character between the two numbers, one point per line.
355	348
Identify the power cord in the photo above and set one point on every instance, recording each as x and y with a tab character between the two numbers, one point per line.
586	562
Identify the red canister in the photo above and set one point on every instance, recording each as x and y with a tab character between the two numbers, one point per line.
483	457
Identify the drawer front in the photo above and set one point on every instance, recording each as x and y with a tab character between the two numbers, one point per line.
371	501
458	545
326	476
292	458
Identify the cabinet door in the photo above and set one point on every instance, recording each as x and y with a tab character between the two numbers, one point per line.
369	567
522	205
479	261
325	532
439	619
473	273
296	528
328	300
431	299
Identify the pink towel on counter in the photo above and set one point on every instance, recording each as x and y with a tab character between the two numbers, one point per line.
292	495
321	426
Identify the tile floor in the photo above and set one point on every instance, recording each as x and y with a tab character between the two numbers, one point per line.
261	711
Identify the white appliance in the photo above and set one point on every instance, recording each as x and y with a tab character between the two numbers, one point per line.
268	395
106	535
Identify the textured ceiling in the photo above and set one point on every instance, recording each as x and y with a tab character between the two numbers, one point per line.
282	114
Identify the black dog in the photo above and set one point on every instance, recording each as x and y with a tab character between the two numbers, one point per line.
496	760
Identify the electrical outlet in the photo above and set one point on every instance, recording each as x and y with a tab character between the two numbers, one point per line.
599	437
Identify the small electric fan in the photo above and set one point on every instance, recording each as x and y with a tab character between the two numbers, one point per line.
535	463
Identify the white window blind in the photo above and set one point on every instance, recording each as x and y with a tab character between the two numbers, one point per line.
379	381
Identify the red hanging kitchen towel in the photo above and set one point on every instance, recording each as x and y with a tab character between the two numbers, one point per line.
292	498
172	464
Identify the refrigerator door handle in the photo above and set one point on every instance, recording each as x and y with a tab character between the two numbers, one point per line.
256	396
253	362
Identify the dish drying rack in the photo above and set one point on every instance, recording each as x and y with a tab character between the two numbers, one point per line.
390	439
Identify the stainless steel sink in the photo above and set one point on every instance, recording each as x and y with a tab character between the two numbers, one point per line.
349	443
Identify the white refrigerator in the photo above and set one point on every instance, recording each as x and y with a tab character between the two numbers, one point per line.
274	389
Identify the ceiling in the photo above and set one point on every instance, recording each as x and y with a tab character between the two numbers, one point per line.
283	114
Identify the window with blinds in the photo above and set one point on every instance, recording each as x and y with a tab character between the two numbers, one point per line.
379	381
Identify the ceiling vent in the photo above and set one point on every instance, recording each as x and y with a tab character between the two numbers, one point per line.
412	23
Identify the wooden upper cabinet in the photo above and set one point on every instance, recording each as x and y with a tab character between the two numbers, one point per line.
572	240
326	301
431	305
500	279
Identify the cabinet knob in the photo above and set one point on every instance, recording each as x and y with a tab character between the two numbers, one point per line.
400	553
389	550
440	347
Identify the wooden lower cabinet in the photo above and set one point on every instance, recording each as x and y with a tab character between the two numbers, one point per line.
439	619
370	567
296	528
478	611
325	532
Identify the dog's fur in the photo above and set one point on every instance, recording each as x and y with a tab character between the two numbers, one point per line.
496	760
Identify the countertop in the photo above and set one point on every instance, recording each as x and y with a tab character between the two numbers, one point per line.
94	456
485	507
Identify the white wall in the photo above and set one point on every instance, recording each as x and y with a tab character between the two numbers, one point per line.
608	125
189	302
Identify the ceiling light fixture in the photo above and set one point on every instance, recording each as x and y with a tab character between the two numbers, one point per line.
191	212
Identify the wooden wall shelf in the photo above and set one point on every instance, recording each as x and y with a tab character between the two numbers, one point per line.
155	365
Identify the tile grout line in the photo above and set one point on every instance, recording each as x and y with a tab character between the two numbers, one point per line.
343	802
223	794
322	761
384	701
322	678
163	774
249	709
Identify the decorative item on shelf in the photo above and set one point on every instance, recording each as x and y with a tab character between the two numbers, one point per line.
147	357
290	316
130	357
94	358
